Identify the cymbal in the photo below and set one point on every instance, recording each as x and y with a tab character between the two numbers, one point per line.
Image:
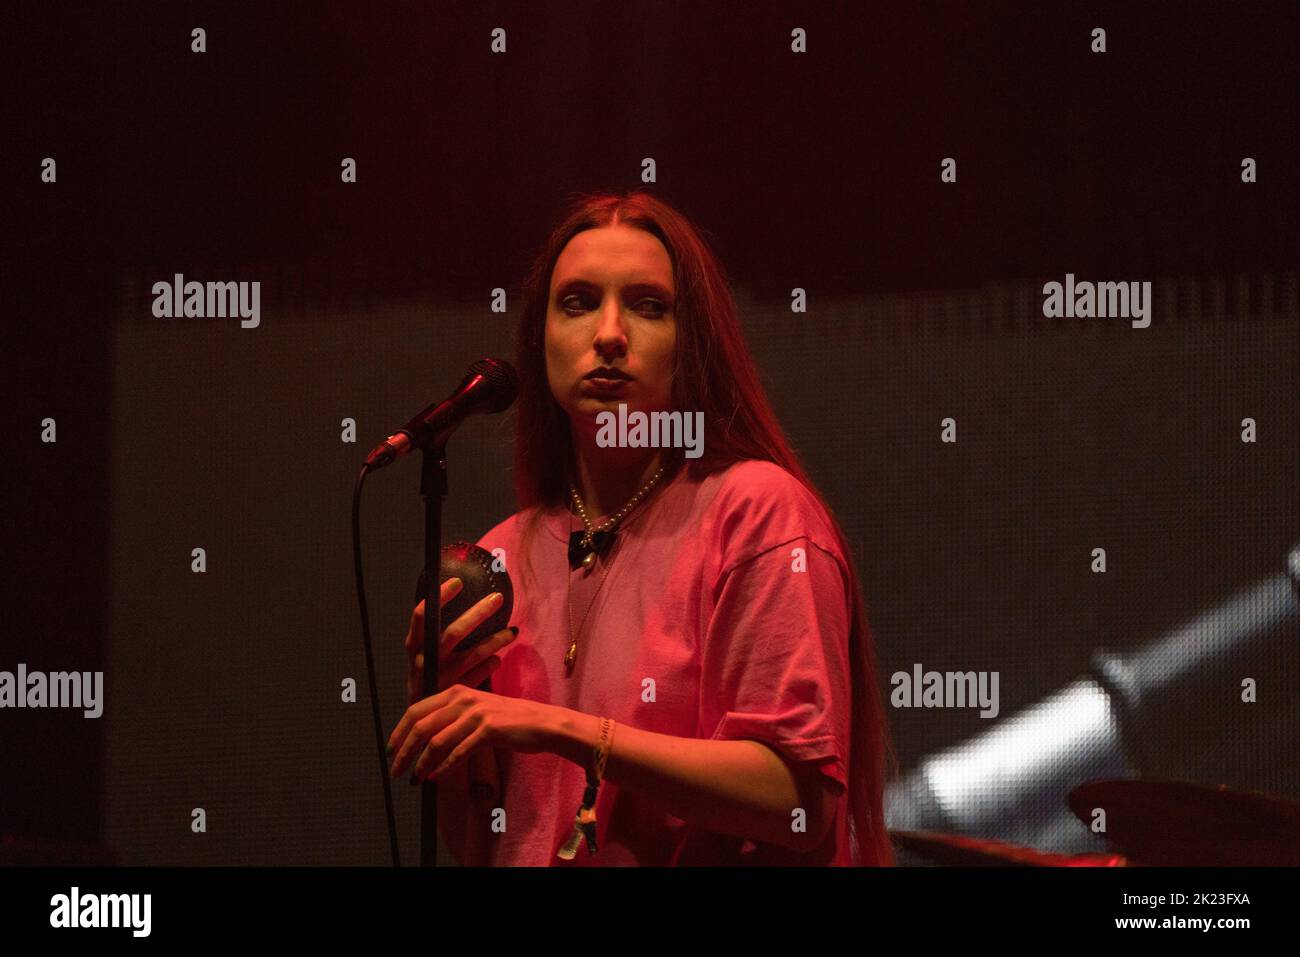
959	851
1178	824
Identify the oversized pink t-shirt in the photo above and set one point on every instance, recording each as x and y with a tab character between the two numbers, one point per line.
724	614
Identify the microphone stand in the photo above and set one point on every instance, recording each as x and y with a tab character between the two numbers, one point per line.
433	490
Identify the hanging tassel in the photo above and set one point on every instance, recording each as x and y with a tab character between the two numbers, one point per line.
584	827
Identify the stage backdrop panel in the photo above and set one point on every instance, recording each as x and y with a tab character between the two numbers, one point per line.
224	688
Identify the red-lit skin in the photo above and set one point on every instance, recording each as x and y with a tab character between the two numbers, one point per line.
737	787
611	304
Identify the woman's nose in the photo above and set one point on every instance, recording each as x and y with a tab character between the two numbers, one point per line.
611	334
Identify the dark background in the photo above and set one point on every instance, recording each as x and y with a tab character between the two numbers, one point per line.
818	171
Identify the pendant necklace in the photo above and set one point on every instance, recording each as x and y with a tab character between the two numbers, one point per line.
585	545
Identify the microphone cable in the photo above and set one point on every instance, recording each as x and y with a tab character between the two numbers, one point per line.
370	667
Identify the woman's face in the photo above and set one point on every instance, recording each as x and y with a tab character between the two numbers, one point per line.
611	304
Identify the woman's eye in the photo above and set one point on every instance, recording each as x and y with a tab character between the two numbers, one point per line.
576	303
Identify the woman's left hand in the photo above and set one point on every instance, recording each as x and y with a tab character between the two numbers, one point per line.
440	730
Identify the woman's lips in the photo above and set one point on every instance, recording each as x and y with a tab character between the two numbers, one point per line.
601	384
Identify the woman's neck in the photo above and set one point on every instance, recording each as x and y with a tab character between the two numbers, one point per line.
607	478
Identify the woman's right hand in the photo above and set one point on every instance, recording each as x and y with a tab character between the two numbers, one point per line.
469	667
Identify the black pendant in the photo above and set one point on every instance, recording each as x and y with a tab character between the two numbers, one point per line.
580	554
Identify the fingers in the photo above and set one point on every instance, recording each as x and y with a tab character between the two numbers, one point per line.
469	672
449	589
479	673
456	742
421	721
472	669
415	632
414	689
472	657
461	628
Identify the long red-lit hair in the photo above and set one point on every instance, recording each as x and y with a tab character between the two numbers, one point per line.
713	373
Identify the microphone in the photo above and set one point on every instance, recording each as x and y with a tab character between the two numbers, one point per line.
1012	782
480	575
489	386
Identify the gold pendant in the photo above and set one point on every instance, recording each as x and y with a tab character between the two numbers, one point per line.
589	561
571	655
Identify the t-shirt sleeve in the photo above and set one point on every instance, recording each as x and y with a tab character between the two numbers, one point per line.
775	662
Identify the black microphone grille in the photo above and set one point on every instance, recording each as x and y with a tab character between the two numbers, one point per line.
502	377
